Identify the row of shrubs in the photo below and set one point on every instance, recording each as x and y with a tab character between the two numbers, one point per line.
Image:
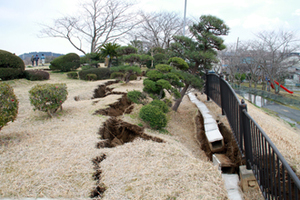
44	97
12	67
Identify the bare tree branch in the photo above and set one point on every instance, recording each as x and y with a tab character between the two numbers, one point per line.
100	22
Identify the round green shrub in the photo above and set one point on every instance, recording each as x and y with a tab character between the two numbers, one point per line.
9	104
137	97
72	75
36	75
160	104
91	77
102	73
117	75
11	66
154	116
48	97
133	77
65	63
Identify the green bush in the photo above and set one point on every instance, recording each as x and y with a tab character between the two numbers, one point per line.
137	97
133	77
11	66
10	73
66	62
91	77
168	102
102	73
48	97
8	104
36	75
117	75
154	116
72	75
126	68
161	105
86	67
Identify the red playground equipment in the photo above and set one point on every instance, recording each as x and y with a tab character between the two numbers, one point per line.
289	91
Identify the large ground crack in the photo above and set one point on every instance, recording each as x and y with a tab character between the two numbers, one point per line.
116	132
124	105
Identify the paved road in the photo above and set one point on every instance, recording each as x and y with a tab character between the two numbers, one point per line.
285	112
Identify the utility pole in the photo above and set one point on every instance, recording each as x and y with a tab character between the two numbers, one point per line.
237	44
184	19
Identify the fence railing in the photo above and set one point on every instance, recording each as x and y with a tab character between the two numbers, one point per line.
275	177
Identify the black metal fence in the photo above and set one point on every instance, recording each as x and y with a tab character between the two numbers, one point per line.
275	177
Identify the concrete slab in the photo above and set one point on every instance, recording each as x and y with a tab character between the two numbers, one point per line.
215	140
211	127
209	121
206	115
232	186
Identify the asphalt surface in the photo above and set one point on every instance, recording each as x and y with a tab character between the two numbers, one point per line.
285	111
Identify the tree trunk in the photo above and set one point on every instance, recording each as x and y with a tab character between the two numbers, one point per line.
127	78
178	101
109	63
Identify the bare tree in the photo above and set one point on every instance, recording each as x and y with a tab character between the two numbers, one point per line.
230	59
158	28
101	21
273	49
250	62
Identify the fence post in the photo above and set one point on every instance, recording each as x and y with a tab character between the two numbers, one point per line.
207	86
245	131
221	93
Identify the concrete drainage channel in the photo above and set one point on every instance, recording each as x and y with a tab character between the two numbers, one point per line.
220	147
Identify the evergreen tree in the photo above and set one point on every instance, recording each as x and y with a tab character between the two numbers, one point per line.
110	50
200	51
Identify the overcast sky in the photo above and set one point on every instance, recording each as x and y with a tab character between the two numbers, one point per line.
20	19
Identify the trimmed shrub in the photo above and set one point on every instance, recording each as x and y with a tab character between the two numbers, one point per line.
66	62
162	105
86	67
126	68
11	66
48	97
117	75
9	104
154	116
102	73
137	97
10	73
133	77
36	75
91	77
72	75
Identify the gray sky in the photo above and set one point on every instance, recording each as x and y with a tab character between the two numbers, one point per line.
20	19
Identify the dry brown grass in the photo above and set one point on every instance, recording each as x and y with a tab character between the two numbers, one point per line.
51	157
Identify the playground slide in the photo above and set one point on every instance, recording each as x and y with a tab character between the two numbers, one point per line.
289	91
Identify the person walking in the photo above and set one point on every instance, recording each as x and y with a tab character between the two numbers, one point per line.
43	59
32	60
37	60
